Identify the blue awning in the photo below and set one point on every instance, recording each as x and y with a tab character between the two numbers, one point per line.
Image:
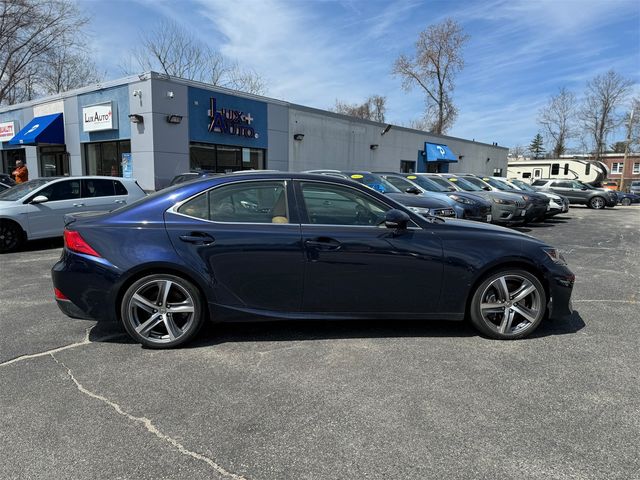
45	129
436	152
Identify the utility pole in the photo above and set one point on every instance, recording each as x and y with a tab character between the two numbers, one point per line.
626	148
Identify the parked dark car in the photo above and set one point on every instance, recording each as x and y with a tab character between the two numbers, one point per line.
188	176
466	205
506	208
299	246
627	199
578	192
6	181
425	206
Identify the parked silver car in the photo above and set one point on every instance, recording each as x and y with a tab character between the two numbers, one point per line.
36	209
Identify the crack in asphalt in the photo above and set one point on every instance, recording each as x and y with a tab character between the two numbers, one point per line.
86	341
150	427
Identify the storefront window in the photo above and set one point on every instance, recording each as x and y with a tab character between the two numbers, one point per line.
224	158
105	158
9	158
54	161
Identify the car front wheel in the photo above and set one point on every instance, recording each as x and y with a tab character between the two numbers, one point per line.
162	311
597	202
508	305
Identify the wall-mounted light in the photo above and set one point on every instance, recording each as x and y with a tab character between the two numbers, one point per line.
373	146
174	118
460	157
169	94
298	136
386	129
137	93
136	118
488	160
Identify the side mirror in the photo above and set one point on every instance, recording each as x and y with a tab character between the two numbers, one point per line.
396	219
452	189
39	199
584	188
488	189
414	190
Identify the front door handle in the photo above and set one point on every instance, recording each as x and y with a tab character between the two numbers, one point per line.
78	204
120	201
323	243
198	238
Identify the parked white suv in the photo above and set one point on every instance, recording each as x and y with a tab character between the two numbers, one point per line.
36	209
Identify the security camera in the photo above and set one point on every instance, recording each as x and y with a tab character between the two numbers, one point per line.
137	93
170	94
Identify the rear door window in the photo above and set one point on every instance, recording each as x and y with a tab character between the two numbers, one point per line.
96	187
120	188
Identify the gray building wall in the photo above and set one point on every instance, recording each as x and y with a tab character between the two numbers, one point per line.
343	143
278	131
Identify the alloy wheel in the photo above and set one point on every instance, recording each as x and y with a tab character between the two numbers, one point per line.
511	304
626	202
161	310
9	237
597	203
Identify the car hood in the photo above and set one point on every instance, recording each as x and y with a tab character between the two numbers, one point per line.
471	196
418	200
488	228
500	195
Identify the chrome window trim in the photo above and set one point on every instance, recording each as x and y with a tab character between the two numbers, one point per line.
175	207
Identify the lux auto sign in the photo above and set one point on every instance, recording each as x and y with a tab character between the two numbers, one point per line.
232	122
99	117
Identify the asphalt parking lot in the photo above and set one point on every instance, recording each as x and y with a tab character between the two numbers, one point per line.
377	400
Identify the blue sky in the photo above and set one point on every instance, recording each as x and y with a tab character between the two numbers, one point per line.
314	52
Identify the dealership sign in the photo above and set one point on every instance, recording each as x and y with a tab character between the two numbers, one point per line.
99	117
231	122
7	131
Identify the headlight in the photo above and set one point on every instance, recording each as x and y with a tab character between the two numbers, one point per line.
555	255
460	199
526	198
420	210
502	201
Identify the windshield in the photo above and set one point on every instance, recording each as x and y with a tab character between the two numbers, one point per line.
470	184
444	183
374	181
428	184
23	189
523	186
497	183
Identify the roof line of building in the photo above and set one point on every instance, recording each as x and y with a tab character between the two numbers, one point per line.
194	83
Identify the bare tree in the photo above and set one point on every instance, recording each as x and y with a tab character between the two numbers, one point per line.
30	30
170	49
557	118
604	95
517	151
437	60
66	69
373	108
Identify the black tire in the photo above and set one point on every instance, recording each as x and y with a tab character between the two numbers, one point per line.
11	236
626	202
496	319
597	203
151	317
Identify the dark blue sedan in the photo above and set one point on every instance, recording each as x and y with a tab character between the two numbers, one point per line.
299	246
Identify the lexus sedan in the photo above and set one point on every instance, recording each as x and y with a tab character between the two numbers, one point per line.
299	246
36	209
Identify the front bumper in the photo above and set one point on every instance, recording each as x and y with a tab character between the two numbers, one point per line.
507	214
478	213
560	282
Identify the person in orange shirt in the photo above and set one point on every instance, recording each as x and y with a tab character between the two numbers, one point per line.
21	173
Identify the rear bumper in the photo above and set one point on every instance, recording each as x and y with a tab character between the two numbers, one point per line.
71	310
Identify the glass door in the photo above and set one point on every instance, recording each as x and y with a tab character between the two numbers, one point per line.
54	161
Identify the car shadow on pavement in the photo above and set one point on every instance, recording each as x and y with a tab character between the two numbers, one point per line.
44	244
293	330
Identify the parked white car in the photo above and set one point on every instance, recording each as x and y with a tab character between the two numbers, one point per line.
36	209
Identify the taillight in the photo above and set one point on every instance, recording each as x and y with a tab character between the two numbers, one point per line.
74	242
59	295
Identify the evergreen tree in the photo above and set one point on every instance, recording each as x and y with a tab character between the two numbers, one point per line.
537	147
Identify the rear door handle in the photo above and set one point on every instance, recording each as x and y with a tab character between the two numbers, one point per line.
323	243
198	238
78	204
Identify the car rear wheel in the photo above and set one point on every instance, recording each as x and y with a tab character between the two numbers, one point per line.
10	236
597	202
508	305
162	311
626	202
